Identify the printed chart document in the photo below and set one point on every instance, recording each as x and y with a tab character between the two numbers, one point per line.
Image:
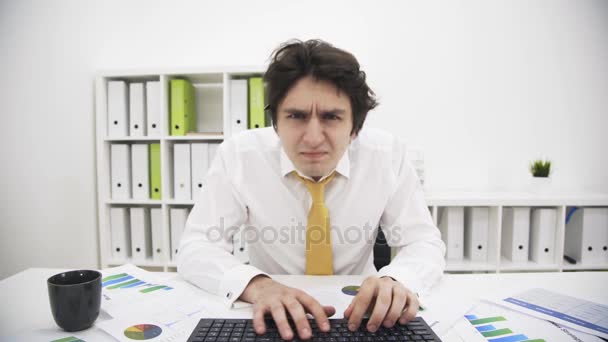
144	305
579	314
490	322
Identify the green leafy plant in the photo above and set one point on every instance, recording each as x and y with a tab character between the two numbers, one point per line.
540	168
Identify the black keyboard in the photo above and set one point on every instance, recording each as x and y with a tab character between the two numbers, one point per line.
237	330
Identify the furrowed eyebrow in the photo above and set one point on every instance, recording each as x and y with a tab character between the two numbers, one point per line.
296	111
335	111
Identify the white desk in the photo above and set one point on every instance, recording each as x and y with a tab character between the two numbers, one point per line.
25	304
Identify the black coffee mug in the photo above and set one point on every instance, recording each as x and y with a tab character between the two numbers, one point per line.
75	298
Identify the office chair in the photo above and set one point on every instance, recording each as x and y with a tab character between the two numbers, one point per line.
382	251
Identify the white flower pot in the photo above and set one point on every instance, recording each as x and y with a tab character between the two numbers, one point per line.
540	185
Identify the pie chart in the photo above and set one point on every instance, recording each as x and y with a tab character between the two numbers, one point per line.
350	290
142	332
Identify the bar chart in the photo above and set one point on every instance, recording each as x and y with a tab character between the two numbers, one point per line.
490	322
127	281
494	333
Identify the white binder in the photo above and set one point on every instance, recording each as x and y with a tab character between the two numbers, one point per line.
515	239
587	235
137	110
157	234
140	165
476	226
451	225
120	160
120	234
200	165
182	186
542	235
118	109
153	108
178	217
141	244
238	105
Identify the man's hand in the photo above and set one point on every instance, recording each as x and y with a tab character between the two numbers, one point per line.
387	300
279	300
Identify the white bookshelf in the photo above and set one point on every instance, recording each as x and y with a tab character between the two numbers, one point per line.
212	92
496	202
212	88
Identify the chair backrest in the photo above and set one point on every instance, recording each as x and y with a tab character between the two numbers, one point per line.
382	252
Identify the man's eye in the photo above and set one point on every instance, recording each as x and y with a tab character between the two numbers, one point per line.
331	117
296	116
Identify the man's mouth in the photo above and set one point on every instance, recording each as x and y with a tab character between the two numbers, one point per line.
314	154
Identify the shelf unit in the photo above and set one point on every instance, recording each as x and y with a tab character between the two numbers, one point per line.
212	91
496	202
214	122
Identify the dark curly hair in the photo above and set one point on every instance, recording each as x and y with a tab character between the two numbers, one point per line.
296	59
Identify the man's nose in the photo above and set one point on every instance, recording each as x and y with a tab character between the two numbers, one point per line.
314	135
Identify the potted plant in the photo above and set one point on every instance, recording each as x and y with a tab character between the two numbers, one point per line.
540	170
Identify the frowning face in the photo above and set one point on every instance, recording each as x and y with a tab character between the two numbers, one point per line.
314	124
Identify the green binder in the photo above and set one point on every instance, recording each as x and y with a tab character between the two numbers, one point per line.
155	184
257	118
183	109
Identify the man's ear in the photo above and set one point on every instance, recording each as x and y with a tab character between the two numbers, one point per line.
274	124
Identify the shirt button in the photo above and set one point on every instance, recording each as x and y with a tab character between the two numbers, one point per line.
229	295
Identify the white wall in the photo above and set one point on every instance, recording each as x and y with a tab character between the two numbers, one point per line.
482	87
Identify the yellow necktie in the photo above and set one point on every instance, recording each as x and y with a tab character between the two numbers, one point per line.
319	260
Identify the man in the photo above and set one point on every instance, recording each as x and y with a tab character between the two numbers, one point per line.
311	192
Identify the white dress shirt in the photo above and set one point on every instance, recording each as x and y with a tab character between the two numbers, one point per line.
251	184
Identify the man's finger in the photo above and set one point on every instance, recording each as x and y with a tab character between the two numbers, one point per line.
329	310
396	309
280	319
316	310
258	319
296	311
363	299
380	308
411	309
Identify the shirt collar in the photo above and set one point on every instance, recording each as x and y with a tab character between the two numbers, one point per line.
342	168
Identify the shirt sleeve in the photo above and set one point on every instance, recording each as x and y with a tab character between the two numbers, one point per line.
408	227
205	252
